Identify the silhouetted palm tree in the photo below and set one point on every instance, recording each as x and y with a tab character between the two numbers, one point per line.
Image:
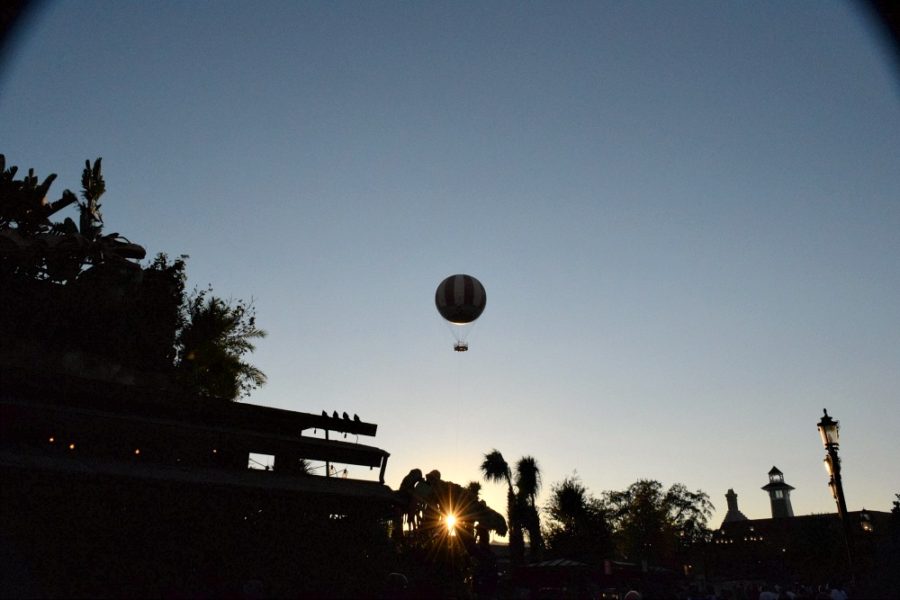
496	469
528	482
521	508
212	343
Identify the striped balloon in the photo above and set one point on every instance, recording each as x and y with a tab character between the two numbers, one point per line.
460	299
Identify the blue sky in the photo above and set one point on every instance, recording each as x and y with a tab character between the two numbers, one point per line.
685	215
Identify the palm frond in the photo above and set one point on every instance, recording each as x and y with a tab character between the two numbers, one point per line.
495	468
528	477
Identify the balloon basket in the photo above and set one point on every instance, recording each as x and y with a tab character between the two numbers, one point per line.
461	347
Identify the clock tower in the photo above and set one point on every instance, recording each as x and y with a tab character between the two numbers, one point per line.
779	494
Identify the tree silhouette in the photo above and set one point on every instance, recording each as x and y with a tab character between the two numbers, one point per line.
578	525
474	488
92	188
521	510
212	343
71	290
33	246
23	203
495	469
69	287
528	482
652	524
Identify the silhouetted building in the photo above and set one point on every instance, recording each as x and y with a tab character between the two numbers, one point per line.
779	494
811	549
117	490
808	549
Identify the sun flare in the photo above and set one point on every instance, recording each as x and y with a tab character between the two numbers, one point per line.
450	520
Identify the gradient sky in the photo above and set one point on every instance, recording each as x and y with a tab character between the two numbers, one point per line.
686	216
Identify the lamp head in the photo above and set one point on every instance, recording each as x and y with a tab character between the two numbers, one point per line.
829	429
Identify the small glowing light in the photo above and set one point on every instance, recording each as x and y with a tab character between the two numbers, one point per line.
137	450
215	451
71	446
52	439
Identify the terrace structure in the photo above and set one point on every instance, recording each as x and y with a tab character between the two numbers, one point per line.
112	488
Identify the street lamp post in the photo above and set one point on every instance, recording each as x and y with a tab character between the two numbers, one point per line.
829	430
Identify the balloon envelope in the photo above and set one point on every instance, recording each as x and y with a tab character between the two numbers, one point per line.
460	299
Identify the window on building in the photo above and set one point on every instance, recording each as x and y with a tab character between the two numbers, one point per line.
263	462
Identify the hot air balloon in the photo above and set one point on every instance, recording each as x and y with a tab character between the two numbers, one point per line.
460	299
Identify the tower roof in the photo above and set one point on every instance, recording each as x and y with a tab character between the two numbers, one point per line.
777	482
779	485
